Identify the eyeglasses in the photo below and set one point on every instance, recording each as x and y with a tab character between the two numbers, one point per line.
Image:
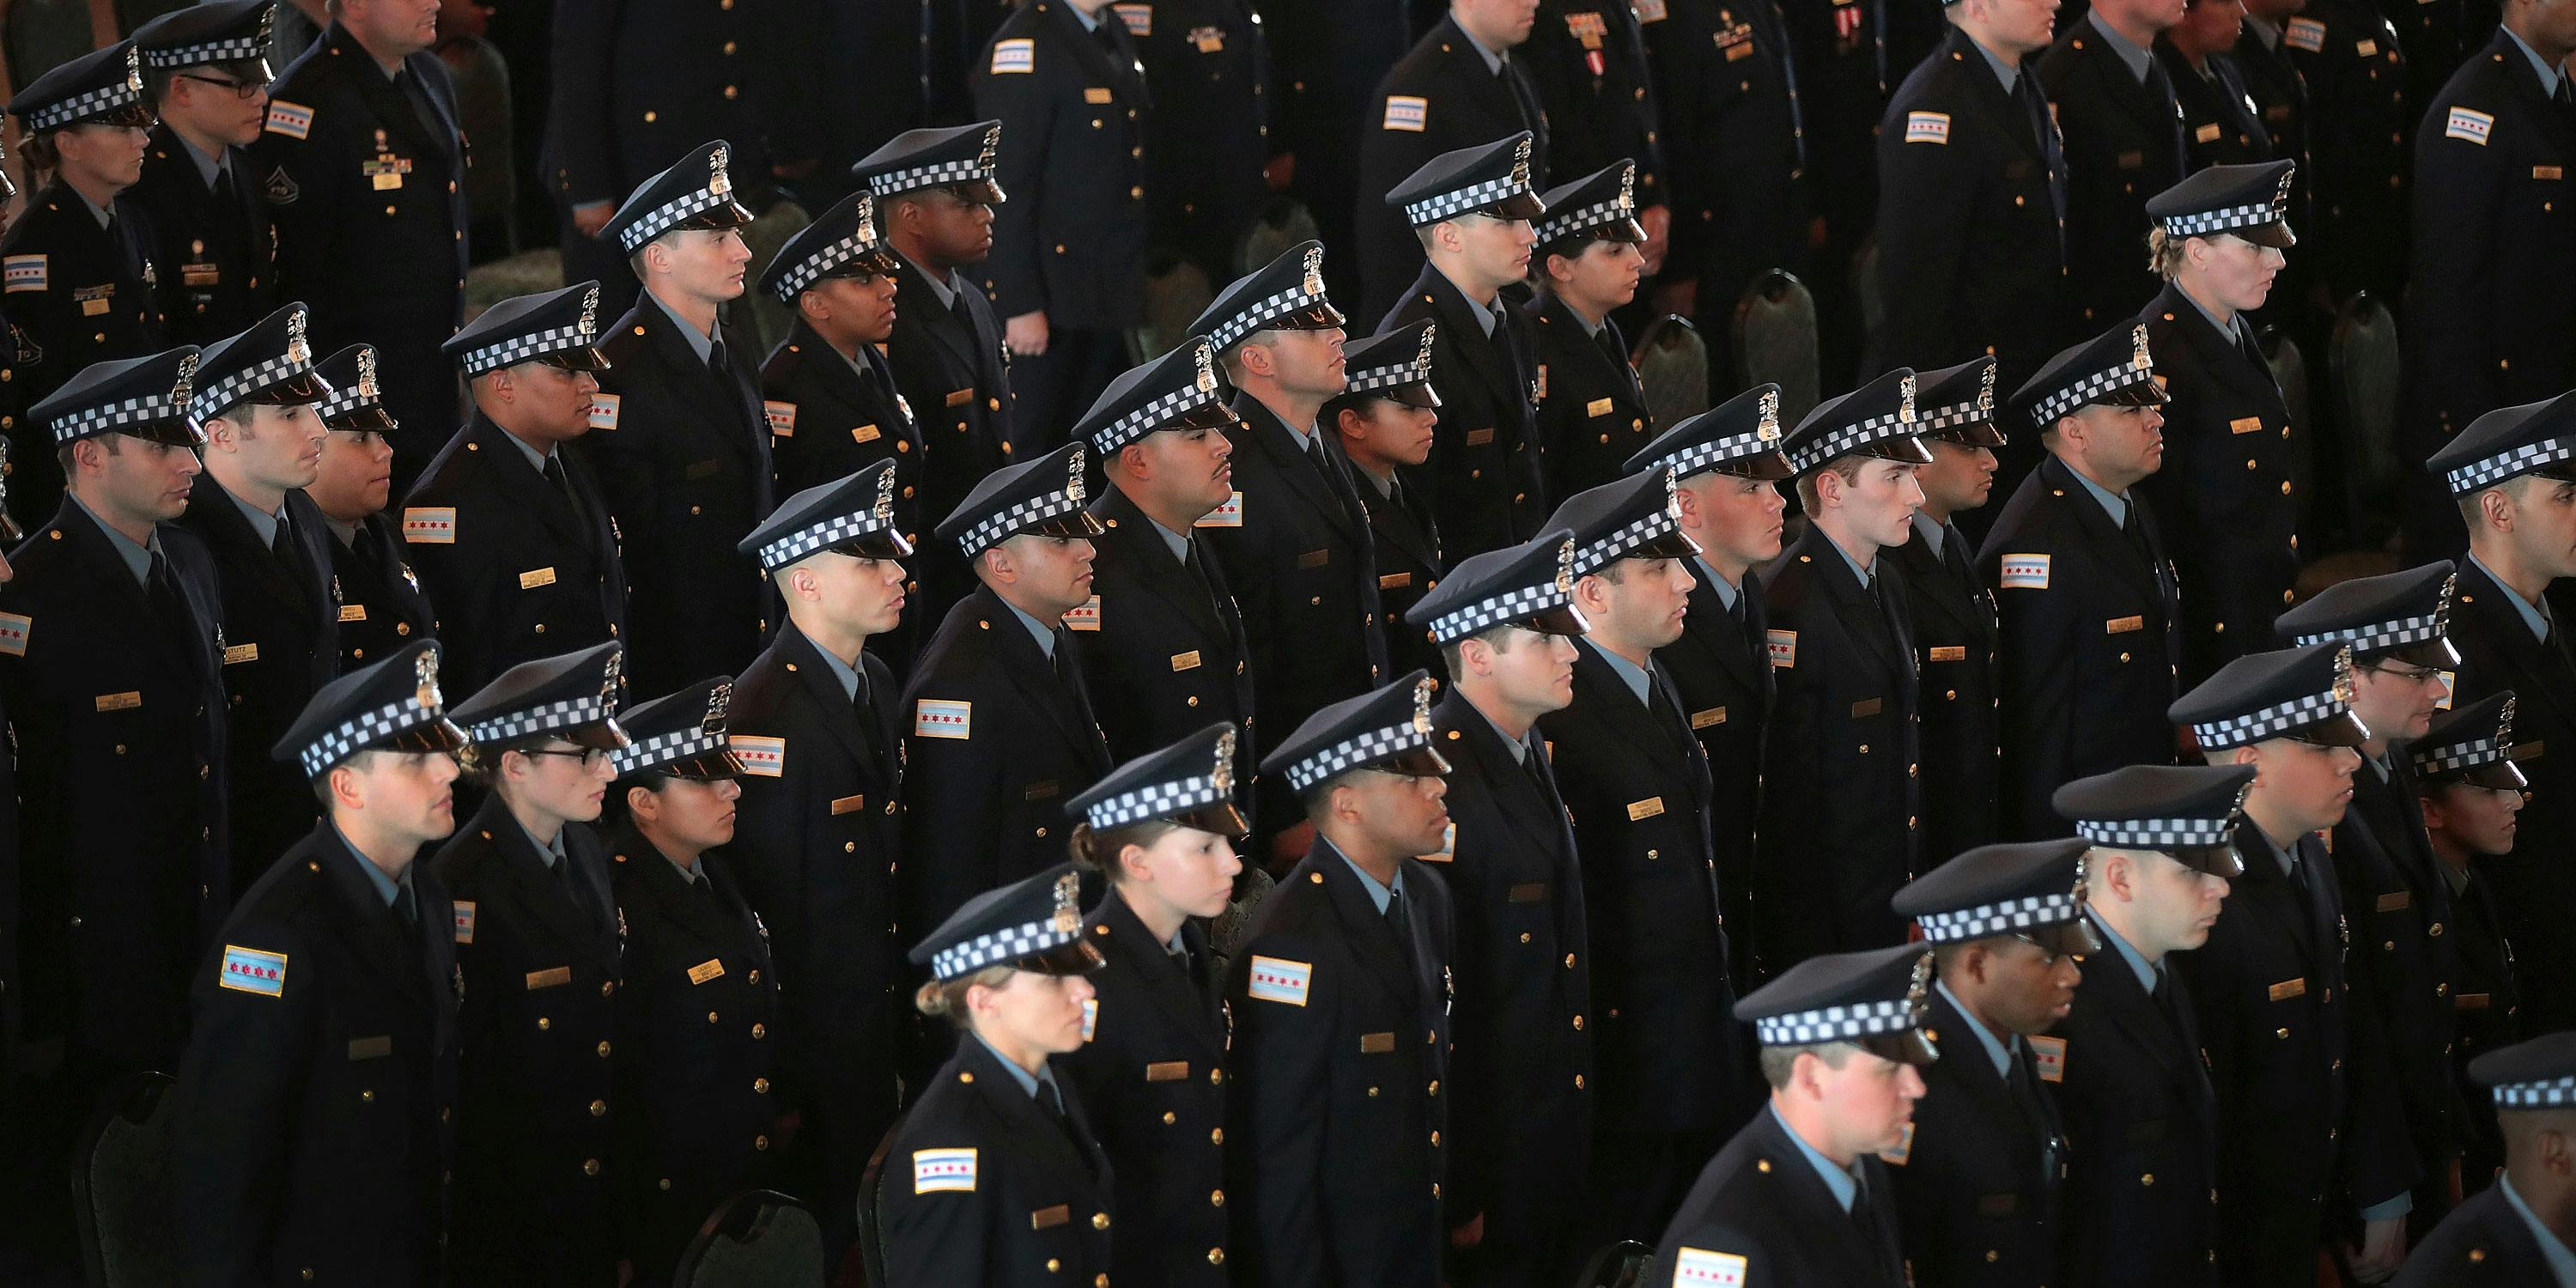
2405	674
590	757
244	90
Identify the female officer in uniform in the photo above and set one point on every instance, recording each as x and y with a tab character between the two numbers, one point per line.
993	1178
1150	1067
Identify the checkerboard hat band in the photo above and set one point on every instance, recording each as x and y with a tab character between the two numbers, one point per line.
1593	558
2000	918
216	397
1253	317
1142	421
79	106
995	529
2065	402
2271	721
1414	370
2205	222
343	399
2552	1093
351	736
2156	833
2457	756
809	270
1595	215
1155	800
112	417
1956	414
567	714
235	50
521	348
1835	1023
1699	457
663	749
1519	604
669	215
929	176
805	541
1853	437
1374	745
2382	635
995	947
2479	475
1450	205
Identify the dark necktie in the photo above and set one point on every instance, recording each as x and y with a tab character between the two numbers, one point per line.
289	551
716	360
1954	557
178	625
224	194
2043	132
1198	575
1667	710
2560	95
1315	453
2163	993
1400	921
410	88
2135	532
1523	96
554	472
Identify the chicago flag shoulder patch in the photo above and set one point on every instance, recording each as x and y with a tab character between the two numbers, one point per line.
254	970
943	1170
1927	127
1276	979
2470	124
1701	1268
2025	572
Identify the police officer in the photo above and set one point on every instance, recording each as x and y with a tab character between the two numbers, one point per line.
2502	1236
254	400
311	1128
1845	726
508	527
363	162
1383	422
380	604
2133	1088
1472	209
2315	1114
1592	412
2124	143
2091	641
110	643
77	267
1735	148
935	195
1458	88
2278	91
2503	471
2494	244
1325	59
1799	1196
1208	142
2469	784
820	823
216	253
1337	1109
2393	892
1973	258
2221	125
1951	612
1631	776
1849	55
1002	732
1160	830
1596	90
1297	551
2226	498
1727	466
1171	650
1067	275
2355	71
696	1110
1521	1117
541	952
1009	1185
827	391
1977	1182
687	469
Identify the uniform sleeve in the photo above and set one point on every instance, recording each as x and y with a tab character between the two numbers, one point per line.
2036	642
462	589
233	1110
1798	921
2459	188
293	160
630	483
1477	1124
1280	1104
45	318
1923	240
1024	102
769	855
2379	1162
937	1237
583	63
952	812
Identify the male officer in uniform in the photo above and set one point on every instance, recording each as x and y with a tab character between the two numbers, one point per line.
2348	55
1521	1119
1844	727
684	460
215	252
2469	785
1972	255
2317	1153
2393	892
1002	731
1977	1183
2140	1205
1208	142
2225	495
2124	143
1383	420
696	1110
1338	1111
254	400
2516	1232
110	640
537	939
381	606
1067	274
1735	147
1171	653
826	389
2509	474
1727	465
507	527
1587	60
1297	549
1458	87
310	1131
77	267
935	195
2494	246
1951	611
363	163
2091	638
2219	122
1672	1066
1592	413
1471	210
820	823
1800	1195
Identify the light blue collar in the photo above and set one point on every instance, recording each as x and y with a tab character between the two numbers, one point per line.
2227	328
1045	637
1028	1082
1999	1052
138	559
1727	592
387	888
1636	677
2264	31
2562	1262
2136	58
2138	963
1520	746
2539	66
1380	895
1493	58
2115	506
551	854
1931	532
2008	73
263	523
700	343
1844	1185
536	459
1177	543
944	285
1485	317
1863	575
208	167
842	671
96	211
2533	615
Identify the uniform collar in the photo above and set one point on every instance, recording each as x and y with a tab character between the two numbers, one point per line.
386	888
2138	963
2539	66
1378	894
2553	1250
138	558
1028	1082
1634	676
2115	506
2001	1052
700	343
2533	615
2136	58
1840	1181
261	522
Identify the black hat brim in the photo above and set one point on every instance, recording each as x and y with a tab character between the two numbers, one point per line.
578	358
886	544
2221	860
440	735
1221	818
2074	938
371	418
1768	466
1420	762
1905	448
1907	1047
130	116
599	735
2500	775
168	433
1211	414
301	389
865	264
1416	394
1625	230
2342	729
2276	235
1675	544
2141	392
2436	653
1067	526
1564	619
1520	205
715	219
1072	957
705	766
1975	433
1313	317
